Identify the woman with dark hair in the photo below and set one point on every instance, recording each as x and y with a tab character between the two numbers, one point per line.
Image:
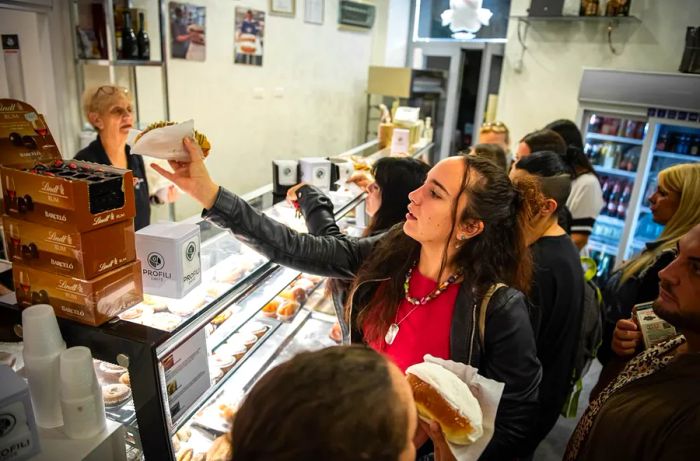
346	403
417	289
586	198
558	287
539	141
387	198
493	152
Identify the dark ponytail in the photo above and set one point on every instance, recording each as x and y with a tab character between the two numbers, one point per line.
574	155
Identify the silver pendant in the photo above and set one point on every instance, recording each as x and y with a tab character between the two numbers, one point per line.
391	333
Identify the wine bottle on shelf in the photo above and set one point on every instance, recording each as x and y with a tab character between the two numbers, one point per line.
614	200
624	202
142	41
130	49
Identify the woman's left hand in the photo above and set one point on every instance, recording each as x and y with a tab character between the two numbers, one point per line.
442	449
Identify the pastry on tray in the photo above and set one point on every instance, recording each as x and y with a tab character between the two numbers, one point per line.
221	449
114	394
288	310
270	309
165	321
155	303
247	339
256	328
222	361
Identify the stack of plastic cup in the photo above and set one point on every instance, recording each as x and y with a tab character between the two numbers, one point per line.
42	346
81	395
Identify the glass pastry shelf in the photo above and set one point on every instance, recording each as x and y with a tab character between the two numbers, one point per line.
211	420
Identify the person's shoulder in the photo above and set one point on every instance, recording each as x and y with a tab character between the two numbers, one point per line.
586	180
87	153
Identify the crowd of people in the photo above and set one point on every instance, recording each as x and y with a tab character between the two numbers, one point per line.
476	226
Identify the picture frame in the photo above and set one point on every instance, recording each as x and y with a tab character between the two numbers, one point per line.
314	11
283	8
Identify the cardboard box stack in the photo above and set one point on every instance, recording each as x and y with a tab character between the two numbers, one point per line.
68	225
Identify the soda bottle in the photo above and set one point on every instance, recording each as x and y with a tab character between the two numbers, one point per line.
662	141
613	201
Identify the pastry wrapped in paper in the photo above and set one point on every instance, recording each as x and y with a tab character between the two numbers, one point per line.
164	140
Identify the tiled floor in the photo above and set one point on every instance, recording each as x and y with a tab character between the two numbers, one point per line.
552	448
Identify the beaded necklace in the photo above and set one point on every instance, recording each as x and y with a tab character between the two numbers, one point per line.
393	330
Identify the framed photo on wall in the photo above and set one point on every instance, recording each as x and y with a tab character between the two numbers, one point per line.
283	7
313	11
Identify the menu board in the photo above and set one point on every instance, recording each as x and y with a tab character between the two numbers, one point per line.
185	374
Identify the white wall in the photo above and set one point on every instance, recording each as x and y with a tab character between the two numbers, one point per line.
37	67
547	87
312	81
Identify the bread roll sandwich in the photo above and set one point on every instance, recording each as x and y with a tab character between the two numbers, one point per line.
444	398
199	137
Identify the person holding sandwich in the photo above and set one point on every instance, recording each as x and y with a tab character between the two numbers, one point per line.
109	110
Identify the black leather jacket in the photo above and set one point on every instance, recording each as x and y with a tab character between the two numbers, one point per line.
510	352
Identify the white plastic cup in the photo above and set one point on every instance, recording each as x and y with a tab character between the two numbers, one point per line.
42	346
81	395
40	331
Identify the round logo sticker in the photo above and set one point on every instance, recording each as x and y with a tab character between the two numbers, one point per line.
156	260
7	423
190	251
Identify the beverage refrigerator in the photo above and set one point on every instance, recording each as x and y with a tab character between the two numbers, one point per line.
634	124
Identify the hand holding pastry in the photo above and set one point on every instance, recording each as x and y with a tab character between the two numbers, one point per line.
442	450
192	176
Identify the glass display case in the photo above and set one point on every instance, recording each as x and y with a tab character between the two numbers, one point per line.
173	371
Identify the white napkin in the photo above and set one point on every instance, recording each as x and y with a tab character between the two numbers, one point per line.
487	392
165	143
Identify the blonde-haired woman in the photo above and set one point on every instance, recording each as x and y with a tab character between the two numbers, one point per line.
109	110
675	205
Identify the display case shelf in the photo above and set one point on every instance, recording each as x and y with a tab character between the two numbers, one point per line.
674	156
602	247
611	220
610	138
615	171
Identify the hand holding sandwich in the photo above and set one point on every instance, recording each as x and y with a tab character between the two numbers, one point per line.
192	176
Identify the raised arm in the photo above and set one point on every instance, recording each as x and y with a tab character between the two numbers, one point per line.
338	257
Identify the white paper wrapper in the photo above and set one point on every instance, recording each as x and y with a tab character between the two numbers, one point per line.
488	393
165	143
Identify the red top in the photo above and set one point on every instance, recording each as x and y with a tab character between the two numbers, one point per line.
426	330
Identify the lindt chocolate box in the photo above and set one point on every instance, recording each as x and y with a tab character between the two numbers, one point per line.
82	255
25	138
92	302
72	195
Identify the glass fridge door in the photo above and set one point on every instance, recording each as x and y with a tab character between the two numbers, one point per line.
672	143
613	143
